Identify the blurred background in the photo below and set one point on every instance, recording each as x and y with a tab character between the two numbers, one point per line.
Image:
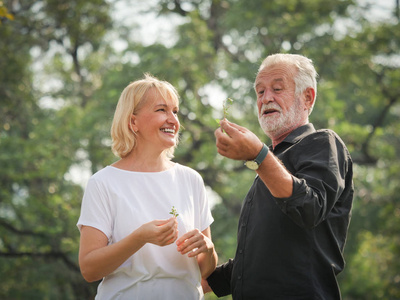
63	65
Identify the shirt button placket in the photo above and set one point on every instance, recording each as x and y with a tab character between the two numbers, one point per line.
242	248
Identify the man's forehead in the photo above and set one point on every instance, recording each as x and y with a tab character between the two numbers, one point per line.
275	73
261	80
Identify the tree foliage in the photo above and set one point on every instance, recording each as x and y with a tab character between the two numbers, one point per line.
61	77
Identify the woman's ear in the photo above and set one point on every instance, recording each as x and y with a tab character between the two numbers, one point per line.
133	124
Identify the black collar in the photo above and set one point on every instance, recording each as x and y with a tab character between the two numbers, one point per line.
297	135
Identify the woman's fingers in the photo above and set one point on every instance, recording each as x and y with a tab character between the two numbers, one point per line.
193	242
169	231
161	232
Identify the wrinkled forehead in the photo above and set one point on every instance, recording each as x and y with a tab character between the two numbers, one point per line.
282	72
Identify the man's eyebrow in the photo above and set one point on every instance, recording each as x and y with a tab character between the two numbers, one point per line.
274	80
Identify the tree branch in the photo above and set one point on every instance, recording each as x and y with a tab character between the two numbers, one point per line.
45	255
379	121
12	228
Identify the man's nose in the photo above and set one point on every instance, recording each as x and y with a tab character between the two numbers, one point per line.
267	97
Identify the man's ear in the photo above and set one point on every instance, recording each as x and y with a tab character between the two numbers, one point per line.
309	97
133	123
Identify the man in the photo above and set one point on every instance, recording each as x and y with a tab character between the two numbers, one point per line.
294	219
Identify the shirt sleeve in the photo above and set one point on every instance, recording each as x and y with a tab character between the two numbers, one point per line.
204	217
319	179
220	279
95	208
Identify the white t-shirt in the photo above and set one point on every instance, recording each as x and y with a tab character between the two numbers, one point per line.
117	202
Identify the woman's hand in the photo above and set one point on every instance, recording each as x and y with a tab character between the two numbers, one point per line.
206	287
159	232
194	242
98	259
198	244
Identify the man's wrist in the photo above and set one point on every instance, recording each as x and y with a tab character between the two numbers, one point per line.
254	164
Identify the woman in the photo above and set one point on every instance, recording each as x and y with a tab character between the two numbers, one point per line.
128	237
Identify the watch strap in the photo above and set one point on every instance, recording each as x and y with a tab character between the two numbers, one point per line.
262	154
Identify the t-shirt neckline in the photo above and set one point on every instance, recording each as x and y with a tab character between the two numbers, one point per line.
139	172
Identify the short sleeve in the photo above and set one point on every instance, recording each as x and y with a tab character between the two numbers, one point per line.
206	216
203	217
95	209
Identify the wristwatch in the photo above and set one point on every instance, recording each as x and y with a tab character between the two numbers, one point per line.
254	164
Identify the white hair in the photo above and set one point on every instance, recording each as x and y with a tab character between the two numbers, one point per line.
306	74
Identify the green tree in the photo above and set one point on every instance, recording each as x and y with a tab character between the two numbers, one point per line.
39	203
56	119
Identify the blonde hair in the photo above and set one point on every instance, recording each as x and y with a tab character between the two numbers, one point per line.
132	99
306	74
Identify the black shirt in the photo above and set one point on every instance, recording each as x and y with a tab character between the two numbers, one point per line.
292	248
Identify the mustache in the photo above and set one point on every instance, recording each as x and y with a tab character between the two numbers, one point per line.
271	106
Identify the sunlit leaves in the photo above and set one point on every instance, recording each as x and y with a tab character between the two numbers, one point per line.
58	116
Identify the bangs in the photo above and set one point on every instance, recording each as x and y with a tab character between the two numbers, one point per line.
168	93
170	96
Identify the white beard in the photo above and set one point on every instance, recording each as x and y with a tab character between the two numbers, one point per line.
278	125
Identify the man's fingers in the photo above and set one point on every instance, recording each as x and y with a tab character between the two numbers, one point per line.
223	152
228	128
236	126
220	134
232	128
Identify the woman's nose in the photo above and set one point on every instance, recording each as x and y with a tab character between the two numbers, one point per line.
173	118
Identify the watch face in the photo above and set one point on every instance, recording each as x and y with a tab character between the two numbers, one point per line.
251	164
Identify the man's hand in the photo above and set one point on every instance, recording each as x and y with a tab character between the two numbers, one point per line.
238	143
